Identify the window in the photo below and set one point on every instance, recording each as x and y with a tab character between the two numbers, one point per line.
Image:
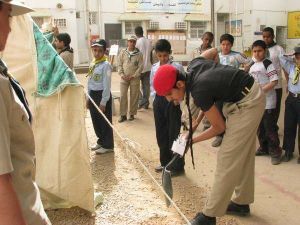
39	21
93	18
130	26
198	29
153	25
60	22
180	25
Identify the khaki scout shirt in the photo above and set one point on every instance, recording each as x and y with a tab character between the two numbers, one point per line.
17	152
130	65
68	58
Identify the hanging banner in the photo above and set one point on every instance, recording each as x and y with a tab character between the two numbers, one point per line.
294	25
171	6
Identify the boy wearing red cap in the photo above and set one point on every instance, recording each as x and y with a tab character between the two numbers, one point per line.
167	116
244	104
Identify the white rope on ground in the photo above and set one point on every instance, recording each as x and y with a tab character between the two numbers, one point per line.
132	145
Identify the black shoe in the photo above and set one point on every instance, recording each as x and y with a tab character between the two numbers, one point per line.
238	210
201	219
276	160
175	173
261	152
122	119
158	169
131	117
145	106
287	157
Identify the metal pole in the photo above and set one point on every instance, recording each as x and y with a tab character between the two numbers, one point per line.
212	8
87	27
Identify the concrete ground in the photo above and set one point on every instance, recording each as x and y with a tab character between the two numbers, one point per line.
277	193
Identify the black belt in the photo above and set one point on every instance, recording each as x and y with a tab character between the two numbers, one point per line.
246	90
291	94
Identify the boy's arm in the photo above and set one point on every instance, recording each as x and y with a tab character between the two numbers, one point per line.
211	54
273	77
242	59
106	86
120	64
140	66
152	91
269	86
10	210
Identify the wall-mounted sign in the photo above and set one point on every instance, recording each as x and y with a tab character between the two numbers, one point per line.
294	24
234	27
171	6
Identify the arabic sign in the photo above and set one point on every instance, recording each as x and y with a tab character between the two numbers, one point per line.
173	6
234	28
294	24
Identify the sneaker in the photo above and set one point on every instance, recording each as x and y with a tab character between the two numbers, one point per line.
95	147
104	150
275	160
131	117
158	169
122	119
287	157
217	142
261	152
238	210
201	219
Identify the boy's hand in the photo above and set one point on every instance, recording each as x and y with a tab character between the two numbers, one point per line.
124	77
102	108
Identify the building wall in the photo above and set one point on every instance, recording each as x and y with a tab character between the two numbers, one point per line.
68	12
255	13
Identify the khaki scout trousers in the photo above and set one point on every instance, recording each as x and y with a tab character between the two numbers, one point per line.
235	159
134	86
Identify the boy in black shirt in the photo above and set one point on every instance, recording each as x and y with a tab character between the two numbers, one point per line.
243	108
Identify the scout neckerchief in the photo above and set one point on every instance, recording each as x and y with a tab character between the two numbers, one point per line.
17	88
94	63
297	74
130	54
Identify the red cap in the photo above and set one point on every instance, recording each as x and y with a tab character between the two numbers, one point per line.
164	79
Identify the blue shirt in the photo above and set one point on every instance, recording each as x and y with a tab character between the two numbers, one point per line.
155	68
100	80
290	67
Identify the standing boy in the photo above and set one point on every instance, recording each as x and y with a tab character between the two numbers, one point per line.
99	85
274	51
229	57
265	74
130	68
291	65
244	104
145	47
62	44
167	116
207	39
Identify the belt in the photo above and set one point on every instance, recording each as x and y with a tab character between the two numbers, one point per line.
247	88
291	94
